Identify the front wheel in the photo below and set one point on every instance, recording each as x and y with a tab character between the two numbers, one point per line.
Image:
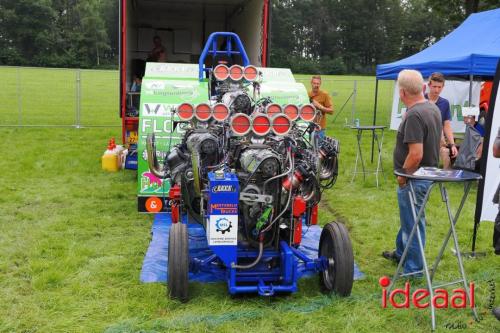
335	245
178	262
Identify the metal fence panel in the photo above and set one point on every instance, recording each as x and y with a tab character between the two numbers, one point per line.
10	101
99	98
354	98
58	97
87	98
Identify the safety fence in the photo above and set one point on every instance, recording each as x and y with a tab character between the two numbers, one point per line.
51	97
55	97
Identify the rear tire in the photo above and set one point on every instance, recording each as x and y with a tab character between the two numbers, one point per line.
178	262
334	244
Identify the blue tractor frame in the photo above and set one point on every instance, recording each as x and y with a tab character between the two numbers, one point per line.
261	279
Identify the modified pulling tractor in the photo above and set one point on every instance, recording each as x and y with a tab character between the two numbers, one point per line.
251	170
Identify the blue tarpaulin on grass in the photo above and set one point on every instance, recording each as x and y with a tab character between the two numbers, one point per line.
154	267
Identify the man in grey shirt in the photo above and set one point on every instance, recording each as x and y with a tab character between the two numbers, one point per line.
417	144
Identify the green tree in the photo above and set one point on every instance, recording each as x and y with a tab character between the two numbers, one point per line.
454	12
83	38
93	38
421	27
58	33
335	36
27	32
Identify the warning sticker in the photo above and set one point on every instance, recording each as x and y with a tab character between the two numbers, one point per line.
223	230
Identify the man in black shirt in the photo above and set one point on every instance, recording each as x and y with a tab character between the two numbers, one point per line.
417	145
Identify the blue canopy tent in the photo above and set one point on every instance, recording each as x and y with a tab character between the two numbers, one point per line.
471	50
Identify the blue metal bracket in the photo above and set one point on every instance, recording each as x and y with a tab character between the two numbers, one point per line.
211	49
316	265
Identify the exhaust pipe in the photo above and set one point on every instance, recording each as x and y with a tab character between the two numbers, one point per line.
195	163
329	168
153	164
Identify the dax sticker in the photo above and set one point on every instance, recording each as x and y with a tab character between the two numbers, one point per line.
223	188
223	230
154	205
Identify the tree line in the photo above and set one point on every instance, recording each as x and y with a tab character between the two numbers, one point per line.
353	36
308	36
59	33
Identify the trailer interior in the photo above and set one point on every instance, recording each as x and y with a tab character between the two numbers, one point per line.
184	26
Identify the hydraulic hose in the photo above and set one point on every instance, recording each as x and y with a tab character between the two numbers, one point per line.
256	261
287	202
282	174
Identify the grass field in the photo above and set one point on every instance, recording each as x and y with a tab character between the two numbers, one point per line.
72	242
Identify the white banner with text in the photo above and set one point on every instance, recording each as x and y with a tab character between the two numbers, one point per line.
456	92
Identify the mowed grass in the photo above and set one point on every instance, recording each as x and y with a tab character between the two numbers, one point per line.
72	242
58	97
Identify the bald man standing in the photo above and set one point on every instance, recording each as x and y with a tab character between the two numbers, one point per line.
417	144
322	102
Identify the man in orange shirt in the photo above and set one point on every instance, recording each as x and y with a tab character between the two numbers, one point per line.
323	103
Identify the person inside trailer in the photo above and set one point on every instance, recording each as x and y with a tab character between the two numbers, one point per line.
158	53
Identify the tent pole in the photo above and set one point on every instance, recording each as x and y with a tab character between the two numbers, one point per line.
474	236
476	218
471	78
374	116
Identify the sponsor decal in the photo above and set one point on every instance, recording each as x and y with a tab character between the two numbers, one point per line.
154	205
155	85
223	188
156	110
222	230
223	225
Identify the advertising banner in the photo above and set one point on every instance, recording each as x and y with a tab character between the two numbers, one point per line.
163	88
456	92
489	210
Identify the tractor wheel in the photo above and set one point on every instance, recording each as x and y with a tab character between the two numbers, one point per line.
178	262
335	245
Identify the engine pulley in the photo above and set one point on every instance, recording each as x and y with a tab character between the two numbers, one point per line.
263	159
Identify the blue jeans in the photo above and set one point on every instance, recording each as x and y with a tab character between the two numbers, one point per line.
413	260
318	136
